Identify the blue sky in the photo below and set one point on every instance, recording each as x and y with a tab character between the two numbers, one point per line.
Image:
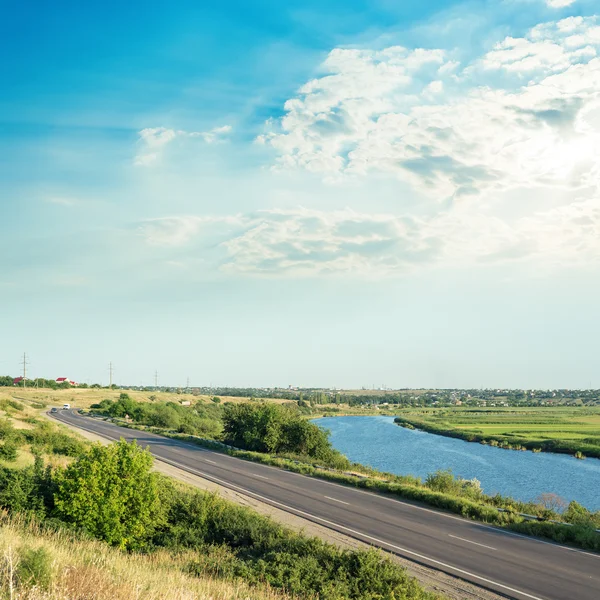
310	193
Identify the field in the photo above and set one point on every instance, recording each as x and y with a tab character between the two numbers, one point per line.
85	397
554	429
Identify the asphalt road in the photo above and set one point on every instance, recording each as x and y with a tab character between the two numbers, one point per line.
516	566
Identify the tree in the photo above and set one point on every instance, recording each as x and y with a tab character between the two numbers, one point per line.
271	428
302	437
254	426
577	514
552	502
111	492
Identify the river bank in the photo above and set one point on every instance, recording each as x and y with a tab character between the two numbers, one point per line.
562	430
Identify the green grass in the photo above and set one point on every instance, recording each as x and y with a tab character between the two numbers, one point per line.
551	429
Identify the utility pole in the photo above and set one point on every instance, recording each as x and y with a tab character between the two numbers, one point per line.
156	379
110	372
188	383
24	370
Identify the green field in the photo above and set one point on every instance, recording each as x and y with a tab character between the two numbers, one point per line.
549	429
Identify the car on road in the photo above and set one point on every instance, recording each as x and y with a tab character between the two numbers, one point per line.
53	410
66	406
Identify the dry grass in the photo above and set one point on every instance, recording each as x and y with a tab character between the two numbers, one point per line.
84	398
89	570
24	459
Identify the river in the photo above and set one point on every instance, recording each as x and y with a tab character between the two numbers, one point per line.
379	443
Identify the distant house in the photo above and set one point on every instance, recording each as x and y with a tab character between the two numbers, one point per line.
60	380
186	403
17	380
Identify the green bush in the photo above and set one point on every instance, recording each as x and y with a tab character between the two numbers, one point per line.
34	568
8	451
22	490
233	541
44	438
271	428
111	492
578	535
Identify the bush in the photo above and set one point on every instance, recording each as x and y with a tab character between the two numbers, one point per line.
23	490
34	568
233	541
8	451
111	492
276	429
45	439
445	482
578	535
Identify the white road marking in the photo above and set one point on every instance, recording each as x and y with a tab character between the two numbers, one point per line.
212	462
336	500
261	476
470	542
359	533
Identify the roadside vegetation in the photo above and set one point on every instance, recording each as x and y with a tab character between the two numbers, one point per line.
110	494
255	426
38	562
567	430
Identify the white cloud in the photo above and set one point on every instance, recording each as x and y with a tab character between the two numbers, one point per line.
312	242
309	242
508	147
450	132
178	231
302	241
153	140
560	3
214	135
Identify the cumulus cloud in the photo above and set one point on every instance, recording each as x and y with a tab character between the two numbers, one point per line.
449	131
153	140
508	148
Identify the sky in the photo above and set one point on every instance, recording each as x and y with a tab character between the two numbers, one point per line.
307	193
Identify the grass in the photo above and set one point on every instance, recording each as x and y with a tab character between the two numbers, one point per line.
85	397
23	417
84	569
551	429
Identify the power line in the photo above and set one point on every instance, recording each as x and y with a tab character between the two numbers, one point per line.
25	363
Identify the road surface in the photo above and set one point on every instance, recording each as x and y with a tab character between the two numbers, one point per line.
513	565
